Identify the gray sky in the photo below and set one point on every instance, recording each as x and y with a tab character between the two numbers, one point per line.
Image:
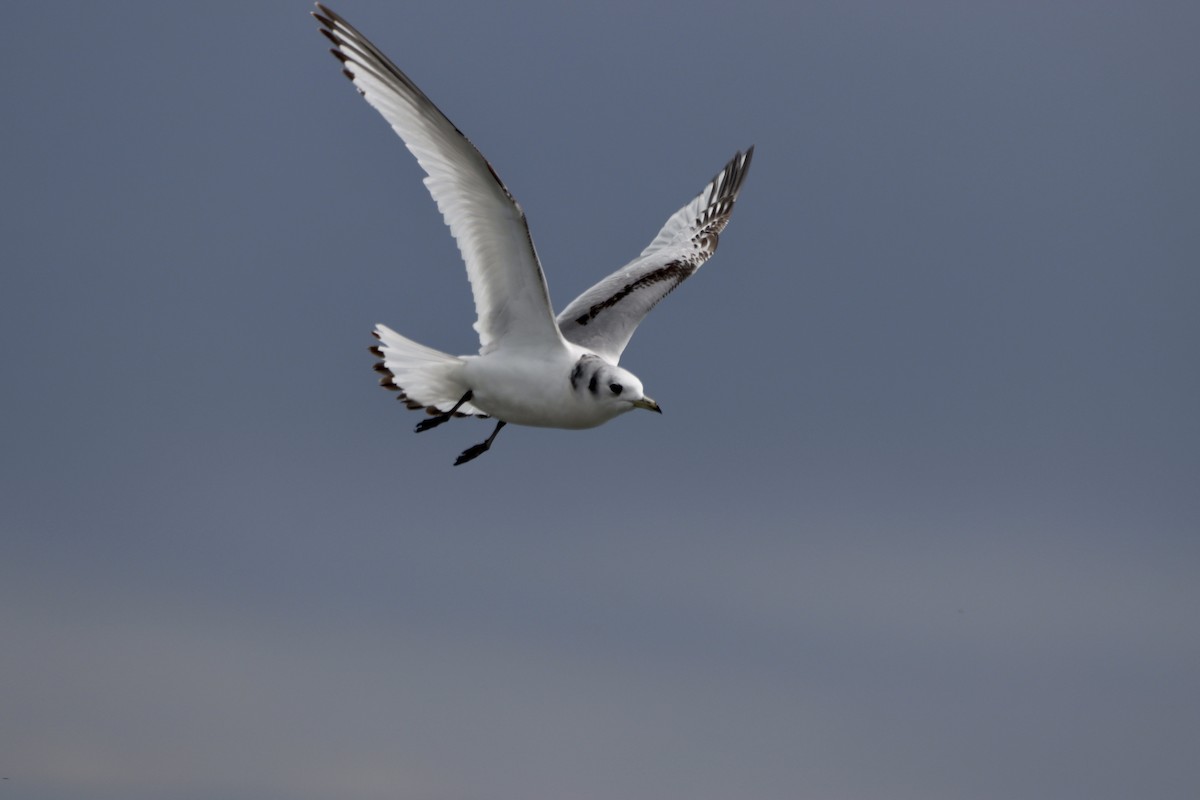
921	519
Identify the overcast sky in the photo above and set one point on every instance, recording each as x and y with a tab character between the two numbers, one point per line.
921	520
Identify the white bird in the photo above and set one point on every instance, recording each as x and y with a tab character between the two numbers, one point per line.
532	368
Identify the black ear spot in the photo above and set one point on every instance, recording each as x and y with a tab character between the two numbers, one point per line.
616	388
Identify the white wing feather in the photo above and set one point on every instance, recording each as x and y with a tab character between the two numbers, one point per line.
604	317
512	303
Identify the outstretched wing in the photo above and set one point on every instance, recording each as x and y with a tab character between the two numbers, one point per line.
604	317
511	300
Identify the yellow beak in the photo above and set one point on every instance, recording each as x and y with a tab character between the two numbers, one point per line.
647	404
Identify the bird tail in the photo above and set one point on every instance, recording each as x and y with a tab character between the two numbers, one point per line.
423	377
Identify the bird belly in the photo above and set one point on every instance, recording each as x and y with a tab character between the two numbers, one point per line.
530	390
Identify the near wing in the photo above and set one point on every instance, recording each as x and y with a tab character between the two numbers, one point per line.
511	299
604	317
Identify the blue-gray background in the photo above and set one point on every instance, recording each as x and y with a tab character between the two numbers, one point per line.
922	517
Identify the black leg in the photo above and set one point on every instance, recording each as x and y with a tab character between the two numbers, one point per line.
479	449
433	422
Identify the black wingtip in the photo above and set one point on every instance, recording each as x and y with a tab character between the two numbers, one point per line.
727	183
737	168
324	16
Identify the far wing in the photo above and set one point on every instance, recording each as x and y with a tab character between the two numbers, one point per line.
604	317
511	299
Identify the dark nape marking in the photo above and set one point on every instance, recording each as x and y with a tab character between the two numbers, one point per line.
581	367
676	271
577	372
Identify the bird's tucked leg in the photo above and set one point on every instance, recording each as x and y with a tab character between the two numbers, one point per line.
479	449
433	422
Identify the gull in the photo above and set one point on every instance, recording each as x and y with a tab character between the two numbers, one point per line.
533	368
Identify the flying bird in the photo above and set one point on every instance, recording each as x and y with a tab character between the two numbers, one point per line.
533	368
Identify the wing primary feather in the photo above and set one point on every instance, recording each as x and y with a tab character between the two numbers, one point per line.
512	302
605	316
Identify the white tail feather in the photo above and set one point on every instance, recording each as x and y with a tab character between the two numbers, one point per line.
426	378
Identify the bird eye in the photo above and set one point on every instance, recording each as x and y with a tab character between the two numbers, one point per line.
616	388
